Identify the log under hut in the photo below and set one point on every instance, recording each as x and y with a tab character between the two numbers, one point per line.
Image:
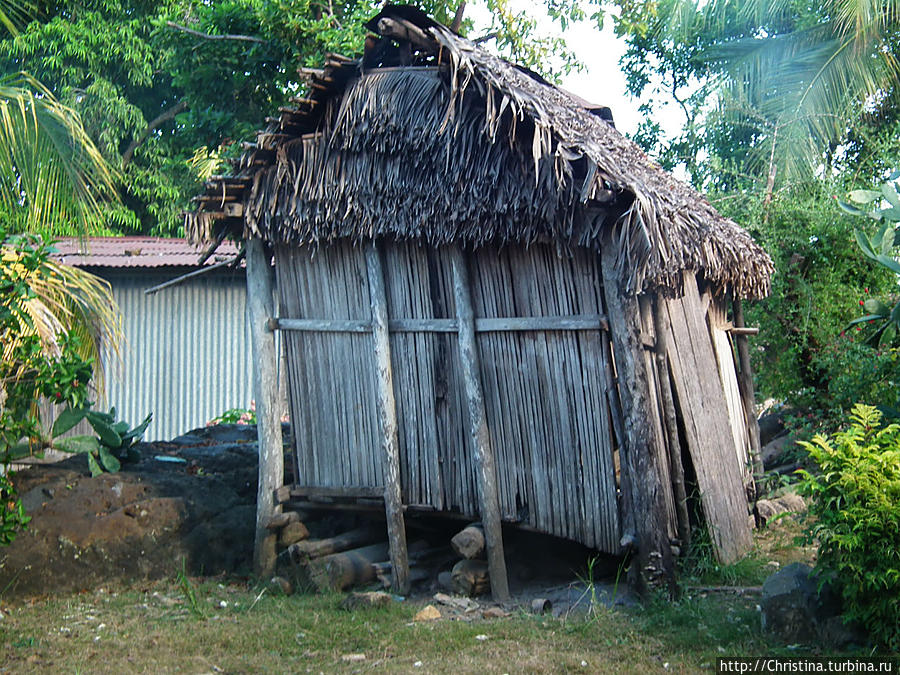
494	304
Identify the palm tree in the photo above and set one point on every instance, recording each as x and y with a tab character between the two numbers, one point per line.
53	180
789	77
805	79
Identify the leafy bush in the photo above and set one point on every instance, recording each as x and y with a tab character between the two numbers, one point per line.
235	416
816	289
857	372
855	502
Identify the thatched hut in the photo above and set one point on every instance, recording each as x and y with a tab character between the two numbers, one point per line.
494	304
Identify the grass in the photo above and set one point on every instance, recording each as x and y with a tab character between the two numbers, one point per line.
215	626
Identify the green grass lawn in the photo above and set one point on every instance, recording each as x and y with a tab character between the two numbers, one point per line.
217	626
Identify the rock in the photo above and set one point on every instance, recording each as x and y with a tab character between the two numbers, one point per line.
427	613
767	509
369	599
773	453
463	604
494	613
283	585
771	425
789	604
794	609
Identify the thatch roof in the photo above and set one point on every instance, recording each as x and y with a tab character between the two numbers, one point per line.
431	136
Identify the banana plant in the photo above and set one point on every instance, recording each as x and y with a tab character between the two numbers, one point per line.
105	451
880	248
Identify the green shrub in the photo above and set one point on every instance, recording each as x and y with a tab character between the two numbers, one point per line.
855	504
857	372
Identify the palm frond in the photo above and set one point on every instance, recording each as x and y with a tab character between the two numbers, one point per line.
53	178
68	301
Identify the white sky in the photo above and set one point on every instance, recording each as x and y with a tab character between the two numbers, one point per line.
601	81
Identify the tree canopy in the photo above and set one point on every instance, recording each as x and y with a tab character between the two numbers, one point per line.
168	90
773	93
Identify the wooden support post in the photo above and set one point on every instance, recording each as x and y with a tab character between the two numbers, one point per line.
481	441
265	379
747	398
387	414
676	468
638	458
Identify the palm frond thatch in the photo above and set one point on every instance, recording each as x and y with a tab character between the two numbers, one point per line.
461	145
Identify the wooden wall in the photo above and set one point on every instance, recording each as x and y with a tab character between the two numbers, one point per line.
545	372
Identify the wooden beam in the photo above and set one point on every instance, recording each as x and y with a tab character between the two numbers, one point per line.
676	467
350	491
486	325
745	384
402	30
387	414
646	507
481	440
268	425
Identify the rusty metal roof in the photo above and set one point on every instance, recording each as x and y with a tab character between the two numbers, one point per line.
137	252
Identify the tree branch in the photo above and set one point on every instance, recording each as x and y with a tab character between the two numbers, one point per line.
208	36
159	120
458	17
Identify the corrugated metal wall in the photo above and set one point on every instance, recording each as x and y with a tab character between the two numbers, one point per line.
187	356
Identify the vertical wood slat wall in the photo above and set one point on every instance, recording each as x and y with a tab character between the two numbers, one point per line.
546	392
717	464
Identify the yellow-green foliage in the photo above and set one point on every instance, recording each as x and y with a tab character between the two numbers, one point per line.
856	504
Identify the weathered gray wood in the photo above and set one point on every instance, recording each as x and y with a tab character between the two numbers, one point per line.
368	491
387	413
745	380
315	548
484	455
349	568
271	451
279	520
646	508
414	325
469	541
322	325
707	430
676	468
471	577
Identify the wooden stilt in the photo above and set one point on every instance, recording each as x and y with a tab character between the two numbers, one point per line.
387	414
481	442
271	451
638	458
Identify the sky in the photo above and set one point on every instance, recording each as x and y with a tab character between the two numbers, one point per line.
601	81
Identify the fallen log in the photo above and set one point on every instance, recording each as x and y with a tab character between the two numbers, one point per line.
385	578
469	542
310	549
470	577
338	571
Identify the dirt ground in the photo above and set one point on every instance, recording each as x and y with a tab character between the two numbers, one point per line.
187	503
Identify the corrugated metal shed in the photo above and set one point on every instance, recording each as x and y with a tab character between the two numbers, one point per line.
187	355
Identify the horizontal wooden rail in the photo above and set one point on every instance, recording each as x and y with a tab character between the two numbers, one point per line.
483	325
287	492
